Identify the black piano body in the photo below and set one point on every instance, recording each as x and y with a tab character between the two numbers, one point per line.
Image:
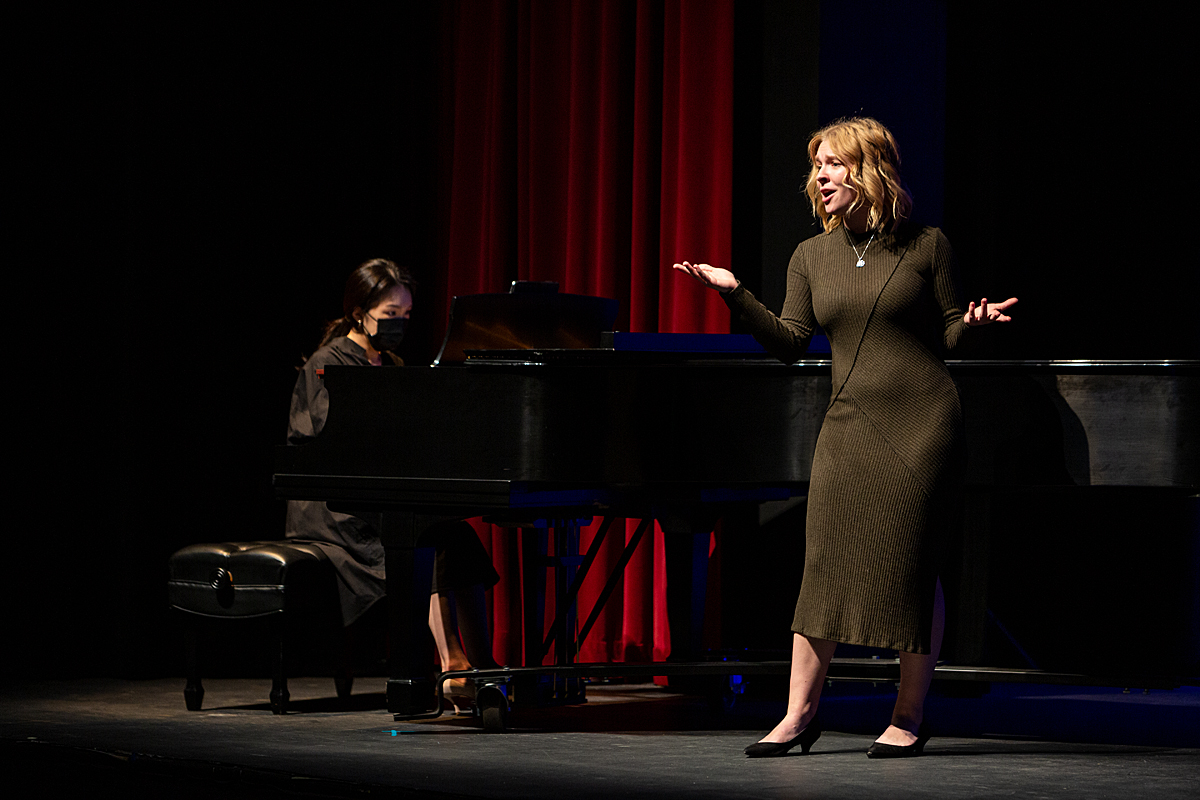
523	442
682	437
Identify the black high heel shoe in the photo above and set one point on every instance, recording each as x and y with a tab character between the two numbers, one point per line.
880	750
804	738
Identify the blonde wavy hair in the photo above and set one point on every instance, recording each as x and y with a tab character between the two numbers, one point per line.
872	169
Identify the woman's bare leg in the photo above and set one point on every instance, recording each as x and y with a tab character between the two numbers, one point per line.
810	662
450	651
445	633
916	673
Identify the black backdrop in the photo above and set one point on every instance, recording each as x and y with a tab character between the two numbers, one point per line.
199	182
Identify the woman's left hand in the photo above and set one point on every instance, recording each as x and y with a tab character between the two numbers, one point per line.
713	277
983	313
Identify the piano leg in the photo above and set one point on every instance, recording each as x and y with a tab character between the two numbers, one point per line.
687	584
545	690
533	590
965	578
410	687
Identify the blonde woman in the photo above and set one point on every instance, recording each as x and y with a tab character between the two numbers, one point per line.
884	292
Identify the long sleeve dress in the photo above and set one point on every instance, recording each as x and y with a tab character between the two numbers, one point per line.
351	544
886	458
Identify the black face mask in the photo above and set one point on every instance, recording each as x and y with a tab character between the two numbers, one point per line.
389	333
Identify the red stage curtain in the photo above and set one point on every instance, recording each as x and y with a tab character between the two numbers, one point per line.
588	143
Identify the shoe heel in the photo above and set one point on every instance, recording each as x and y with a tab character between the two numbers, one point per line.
809	736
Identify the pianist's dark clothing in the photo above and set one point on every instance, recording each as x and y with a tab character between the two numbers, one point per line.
351	544
886	459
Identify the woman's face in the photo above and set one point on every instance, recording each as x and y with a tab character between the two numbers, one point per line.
831	176
396	303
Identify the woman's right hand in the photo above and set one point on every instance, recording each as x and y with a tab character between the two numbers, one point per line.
713	277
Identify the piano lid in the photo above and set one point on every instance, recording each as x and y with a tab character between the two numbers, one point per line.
525	321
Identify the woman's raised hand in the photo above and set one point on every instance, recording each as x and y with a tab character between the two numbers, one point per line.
713	277
984	313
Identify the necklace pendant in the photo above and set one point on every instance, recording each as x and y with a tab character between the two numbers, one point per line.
862	256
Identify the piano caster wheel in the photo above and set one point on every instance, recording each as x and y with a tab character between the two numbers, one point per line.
492	702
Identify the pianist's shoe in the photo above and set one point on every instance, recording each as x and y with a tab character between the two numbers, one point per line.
461	694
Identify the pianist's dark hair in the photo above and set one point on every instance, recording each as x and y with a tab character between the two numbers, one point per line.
365	288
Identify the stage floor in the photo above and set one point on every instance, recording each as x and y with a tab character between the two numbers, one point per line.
628	741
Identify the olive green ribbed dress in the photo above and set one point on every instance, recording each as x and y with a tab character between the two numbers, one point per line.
887	456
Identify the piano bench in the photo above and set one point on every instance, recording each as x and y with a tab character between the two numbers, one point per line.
289	586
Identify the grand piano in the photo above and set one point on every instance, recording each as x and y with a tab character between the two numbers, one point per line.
534	415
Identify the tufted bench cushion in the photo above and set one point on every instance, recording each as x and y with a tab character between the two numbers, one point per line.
250	579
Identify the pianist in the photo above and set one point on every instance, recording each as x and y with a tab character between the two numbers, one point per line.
376	307
883	474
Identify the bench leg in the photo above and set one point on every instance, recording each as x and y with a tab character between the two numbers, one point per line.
193	693
279	690
343	678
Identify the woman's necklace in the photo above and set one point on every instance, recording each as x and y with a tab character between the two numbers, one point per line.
863	254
